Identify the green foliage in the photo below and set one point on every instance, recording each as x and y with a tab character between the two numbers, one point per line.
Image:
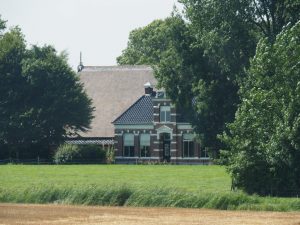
145	196
2	25
264	139
41	99
148	45
110	155
188	67
68	153
205	55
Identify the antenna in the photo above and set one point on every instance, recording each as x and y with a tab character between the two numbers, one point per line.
80	63
80	66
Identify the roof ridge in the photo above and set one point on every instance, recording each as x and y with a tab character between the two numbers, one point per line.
116	68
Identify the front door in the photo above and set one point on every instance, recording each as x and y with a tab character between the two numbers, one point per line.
166	147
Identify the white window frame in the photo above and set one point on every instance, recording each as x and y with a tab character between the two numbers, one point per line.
130	146
165	114
143	144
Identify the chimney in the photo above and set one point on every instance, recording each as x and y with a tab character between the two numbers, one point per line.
148	88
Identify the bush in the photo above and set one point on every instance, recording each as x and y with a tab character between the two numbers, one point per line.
110	155
68	153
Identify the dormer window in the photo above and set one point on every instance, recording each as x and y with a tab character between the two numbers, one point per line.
165	114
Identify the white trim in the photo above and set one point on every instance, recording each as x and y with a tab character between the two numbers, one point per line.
134	126
173	142
161	99
155	114
157	150
173	150
135	157
155	142
170	123
184	126
164	129
174	114
149	157
125	157
188	158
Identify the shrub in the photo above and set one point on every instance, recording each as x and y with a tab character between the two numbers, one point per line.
110	155
68	153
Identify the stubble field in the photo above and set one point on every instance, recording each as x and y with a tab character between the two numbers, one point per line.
13	214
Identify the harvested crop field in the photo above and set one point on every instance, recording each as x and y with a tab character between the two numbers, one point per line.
87	215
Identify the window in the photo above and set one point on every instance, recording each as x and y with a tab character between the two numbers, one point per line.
165	114
145	145
204	153
188	145
128	145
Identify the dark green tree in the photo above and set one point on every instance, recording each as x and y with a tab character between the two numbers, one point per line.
263	141
187	72
41	99
205	55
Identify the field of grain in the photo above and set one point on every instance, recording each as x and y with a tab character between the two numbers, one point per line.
13	214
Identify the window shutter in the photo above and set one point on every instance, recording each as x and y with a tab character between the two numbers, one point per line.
145	140
128	140
188	137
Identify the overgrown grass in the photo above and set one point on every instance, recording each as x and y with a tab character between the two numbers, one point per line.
126	185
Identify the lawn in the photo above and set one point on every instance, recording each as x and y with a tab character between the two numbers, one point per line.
187	178
131	185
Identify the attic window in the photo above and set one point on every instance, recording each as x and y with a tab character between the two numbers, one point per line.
165	114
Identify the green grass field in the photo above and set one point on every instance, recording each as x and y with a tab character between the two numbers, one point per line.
188	178
131	185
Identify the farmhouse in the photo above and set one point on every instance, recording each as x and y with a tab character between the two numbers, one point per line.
140	122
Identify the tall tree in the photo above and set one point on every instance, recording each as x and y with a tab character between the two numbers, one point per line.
41	99
187	70
205	58
263	142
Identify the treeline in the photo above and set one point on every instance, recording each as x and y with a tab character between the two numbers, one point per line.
233	66
41	99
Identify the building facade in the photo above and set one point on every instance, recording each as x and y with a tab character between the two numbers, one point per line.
152	130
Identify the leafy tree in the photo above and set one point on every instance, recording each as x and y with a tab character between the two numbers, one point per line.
41	99
264	139
204	56
186	71
269	16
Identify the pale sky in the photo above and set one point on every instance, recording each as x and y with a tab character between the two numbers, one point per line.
98	28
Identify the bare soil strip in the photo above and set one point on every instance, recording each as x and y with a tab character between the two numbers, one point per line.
65	214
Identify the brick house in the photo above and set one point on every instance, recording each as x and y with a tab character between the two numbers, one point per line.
152	129
140	123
